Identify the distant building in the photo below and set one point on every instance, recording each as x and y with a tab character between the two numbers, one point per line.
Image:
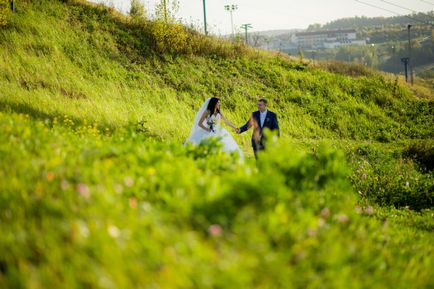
327	38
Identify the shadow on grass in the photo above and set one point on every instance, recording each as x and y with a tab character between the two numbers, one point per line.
48	118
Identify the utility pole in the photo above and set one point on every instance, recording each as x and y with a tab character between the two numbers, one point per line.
13	5
204	17
405	62
246	27
410	60
231	9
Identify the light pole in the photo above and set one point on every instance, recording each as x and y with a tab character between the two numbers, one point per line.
204	17
231	9
405	62
246	27
410	60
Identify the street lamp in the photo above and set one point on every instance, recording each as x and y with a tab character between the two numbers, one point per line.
410	60
231	9
204	16
246	27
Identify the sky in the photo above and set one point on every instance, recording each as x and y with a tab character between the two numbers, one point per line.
278	14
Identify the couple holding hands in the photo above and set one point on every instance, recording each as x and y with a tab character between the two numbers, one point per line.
208	119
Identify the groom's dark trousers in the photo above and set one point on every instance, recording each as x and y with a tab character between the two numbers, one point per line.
258	139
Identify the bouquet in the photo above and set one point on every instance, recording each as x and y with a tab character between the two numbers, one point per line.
211	123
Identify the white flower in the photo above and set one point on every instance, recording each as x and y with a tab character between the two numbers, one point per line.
113	231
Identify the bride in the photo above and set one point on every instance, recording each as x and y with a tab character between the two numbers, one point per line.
207	124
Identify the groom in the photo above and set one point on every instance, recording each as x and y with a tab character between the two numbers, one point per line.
259	120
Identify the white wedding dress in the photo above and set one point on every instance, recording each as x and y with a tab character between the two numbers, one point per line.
198	134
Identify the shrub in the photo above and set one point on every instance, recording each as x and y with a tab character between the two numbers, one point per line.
345	68
422	152
391	181
170	38
4	11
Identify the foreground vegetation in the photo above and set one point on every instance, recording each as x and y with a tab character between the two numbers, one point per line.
81	208
99	192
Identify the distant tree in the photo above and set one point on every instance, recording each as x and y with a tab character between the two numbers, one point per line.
358	22
268	40
4	11
137	9
314	27
256	40
165	12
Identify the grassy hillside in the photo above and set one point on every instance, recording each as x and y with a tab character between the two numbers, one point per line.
99	192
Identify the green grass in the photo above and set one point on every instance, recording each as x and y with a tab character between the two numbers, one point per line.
97	190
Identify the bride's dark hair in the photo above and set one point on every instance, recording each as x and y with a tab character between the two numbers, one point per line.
212	105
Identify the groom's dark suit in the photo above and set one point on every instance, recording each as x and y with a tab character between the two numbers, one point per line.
270	122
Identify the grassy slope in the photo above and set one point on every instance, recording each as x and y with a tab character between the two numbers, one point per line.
87	65
67	66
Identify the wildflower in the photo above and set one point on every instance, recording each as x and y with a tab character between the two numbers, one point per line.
342	218
39	189
369	210
146	206
311	232
64	185
83	190
133	202
113	231
79	229
118	188
128	181
50	176
215	230
325	213
151	171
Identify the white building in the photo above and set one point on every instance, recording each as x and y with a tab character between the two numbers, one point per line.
327	38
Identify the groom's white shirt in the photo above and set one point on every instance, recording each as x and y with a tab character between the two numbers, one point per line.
263	115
